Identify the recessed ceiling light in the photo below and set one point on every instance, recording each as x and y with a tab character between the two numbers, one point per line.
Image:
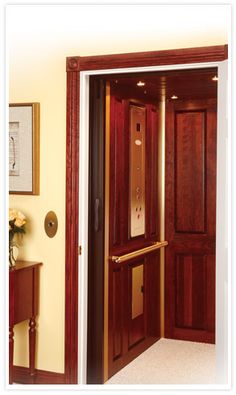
140	83
174	97
215	78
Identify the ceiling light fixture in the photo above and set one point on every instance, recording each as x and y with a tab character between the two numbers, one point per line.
174	97
215	78
140	83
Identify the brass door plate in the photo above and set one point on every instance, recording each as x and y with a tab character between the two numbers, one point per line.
51	224
137	170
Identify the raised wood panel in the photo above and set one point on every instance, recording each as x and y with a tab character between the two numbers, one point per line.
211	171
210	293
152	295
199	287
136	332
190	303
190	192
129	336
117	170
117	314
24	293
190	220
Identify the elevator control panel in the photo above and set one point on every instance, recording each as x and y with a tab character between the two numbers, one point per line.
137	170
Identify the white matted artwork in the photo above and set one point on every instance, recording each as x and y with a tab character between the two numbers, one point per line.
24	148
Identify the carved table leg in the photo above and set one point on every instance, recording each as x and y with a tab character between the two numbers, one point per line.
11	353
32	338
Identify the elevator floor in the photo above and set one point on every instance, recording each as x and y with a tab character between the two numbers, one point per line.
170	362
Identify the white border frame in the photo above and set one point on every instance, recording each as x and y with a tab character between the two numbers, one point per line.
223	289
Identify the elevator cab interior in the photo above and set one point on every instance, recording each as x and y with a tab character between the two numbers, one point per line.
152	180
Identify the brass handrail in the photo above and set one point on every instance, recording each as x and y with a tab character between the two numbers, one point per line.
142	251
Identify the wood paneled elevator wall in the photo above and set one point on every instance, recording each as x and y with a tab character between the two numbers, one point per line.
190	213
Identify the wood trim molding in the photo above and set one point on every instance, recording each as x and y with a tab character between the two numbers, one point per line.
21	375
71	248
74	65
154	58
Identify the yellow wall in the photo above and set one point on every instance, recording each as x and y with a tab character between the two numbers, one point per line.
39	39
44	81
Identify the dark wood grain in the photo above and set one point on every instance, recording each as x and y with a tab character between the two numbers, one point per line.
210	294
190	297
76	64
190	158
160	85
21	376
24	265
95	337
117	309
23	311
11	353
11	323
71	244
23	305
117	173
190	220
152	58
127	335
152	296
32	343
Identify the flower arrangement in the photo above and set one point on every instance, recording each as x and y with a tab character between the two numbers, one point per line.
17	223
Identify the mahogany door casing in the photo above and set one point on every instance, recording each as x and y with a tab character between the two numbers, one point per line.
190	217
134	285
74	65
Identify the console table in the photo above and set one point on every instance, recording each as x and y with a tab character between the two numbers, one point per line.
23	305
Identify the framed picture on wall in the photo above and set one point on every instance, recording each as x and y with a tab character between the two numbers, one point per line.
24	148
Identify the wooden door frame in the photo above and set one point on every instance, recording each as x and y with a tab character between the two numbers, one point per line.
74	66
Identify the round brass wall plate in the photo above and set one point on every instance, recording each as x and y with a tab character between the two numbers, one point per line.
51	224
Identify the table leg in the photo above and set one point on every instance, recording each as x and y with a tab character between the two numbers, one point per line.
32	339
11	354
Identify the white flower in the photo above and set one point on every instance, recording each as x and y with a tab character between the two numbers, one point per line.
19	222
18	217
12	214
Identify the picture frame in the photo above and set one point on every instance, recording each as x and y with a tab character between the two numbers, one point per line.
24	148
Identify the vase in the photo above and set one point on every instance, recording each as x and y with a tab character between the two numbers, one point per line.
13	254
